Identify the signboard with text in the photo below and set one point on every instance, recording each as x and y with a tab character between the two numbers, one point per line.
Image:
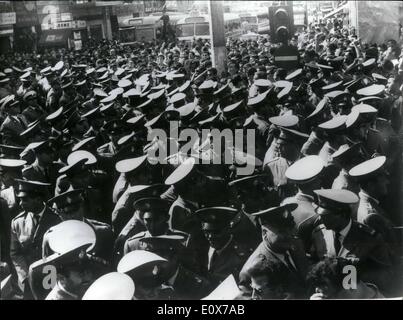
7	18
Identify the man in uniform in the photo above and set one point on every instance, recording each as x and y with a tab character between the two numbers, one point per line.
305	173
44	156
154	214
178	281
278	246
29	227
70	205
339	235
289	144
224	254
72	267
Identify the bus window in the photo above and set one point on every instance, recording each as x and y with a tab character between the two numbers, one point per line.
127	35
147	33
202	29
185	30
251	19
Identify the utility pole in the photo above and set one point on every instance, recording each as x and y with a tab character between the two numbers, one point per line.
217	35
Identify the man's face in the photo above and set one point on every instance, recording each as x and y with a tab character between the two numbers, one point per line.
205	55
278	239
78	279
215	235
31	203
333	221
71	210
156	223
287	149
261	290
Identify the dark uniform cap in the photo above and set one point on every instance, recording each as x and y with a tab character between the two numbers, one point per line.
368	169
129	165
291	135
67	198
337	123
153	204
114	127
137	260
211	121
29	94
111	286
305	169
8	151
346	152
163	244
27	188
285	121
220	216
278	216
334	201
31	130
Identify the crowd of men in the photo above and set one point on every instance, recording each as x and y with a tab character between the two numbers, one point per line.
86	211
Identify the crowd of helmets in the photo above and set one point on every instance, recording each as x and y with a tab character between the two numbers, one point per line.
86	201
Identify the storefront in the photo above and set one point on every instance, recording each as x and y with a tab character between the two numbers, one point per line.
7	21
55	39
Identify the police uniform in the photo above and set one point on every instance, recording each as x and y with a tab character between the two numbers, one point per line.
361	244
292	262
103	231
218	263
27	233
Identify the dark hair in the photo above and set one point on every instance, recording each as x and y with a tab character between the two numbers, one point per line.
327	269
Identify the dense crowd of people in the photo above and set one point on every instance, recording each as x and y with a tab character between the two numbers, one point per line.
88	210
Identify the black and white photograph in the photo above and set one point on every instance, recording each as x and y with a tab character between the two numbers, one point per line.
201	150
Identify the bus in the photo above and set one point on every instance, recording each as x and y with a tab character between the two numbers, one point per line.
249	22
198	27
139	29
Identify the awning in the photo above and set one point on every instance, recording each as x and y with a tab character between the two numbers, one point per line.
54	37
